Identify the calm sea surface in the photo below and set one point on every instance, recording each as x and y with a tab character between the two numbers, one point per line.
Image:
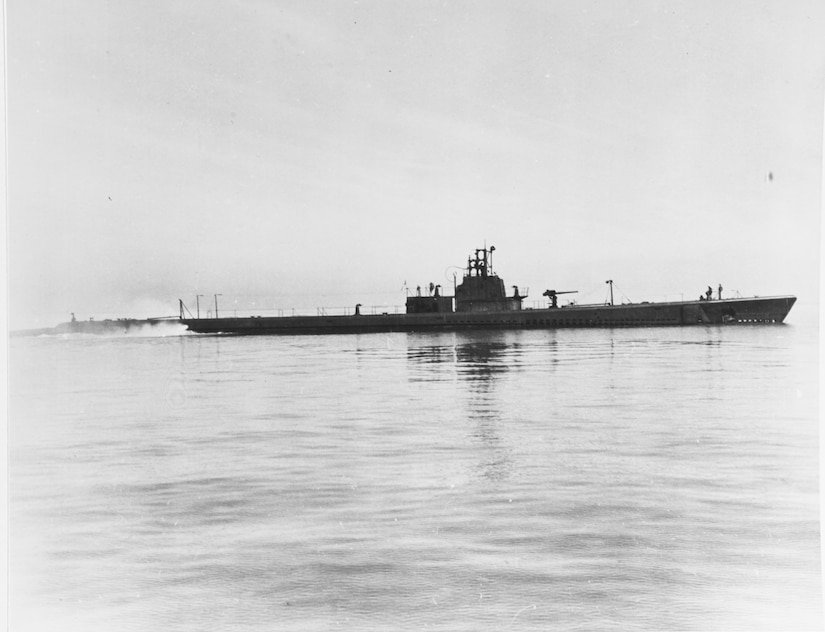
629	479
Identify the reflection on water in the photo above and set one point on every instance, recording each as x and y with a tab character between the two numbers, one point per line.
477	361
480	364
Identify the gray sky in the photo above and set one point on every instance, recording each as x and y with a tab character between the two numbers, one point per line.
323	153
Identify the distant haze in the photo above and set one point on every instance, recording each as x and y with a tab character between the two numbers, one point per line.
325	153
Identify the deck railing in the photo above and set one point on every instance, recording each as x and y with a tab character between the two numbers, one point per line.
317	311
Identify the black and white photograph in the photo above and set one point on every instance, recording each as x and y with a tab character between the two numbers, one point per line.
413	315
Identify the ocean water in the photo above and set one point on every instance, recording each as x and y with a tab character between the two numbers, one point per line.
627	479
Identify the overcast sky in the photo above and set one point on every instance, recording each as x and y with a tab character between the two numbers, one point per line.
323	153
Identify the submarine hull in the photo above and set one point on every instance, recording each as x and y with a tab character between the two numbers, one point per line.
772	310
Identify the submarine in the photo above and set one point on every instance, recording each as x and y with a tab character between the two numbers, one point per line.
481	302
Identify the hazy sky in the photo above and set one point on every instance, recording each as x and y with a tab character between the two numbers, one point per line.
323	153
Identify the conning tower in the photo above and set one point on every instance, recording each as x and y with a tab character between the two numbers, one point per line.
481	290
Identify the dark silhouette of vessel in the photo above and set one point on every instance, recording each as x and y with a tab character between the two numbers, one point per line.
481	302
